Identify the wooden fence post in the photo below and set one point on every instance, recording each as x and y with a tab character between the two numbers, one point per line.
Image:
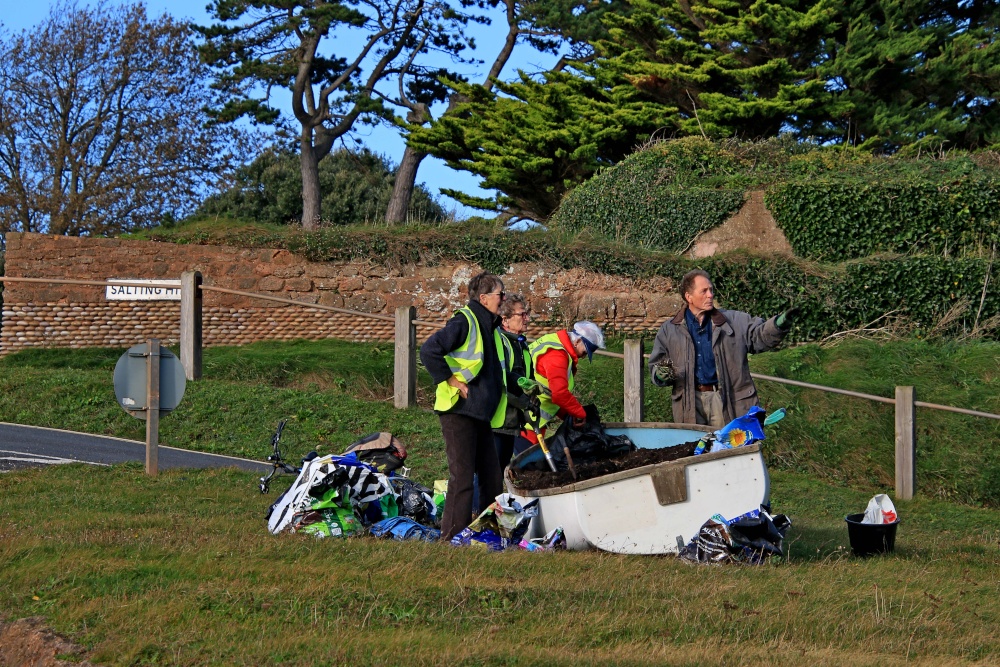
635	376
405	369
152	406
906	443
191	297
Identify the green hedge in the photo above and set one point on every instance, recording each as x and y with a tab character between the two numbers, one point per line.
640	202
832	203
857	215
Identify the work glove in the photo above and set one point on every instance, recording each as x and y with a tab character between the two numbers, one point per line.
663	371
785	320
529	386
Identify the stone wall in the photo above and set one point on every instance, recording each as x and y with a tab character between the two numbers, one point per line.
54	315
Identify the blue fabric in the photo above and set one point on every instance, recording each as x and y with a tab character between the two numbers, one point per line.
404	528
704	357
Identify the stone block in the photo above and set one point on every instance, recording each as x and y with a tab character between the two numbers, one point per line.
352	284
298	284
289	271
271	284
322	270
331	299
365	302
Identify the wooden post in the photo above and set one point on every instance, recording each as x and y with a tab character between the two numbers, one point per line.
635	376
152	406
906	443
191	297
405	369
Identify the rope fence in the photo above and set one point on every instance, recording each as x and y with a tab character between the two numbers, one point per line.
405	367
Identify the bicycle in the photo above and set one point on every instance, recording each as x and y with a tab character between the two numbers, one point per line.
278	464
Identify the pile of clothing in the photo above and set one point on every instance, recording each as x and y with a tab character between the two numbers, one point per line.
364	491
350	493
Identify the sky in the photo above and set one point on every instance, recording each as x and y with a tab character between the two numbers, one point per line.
17	15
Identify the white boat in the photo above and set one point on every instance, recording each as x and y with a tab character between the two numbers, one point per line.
652	509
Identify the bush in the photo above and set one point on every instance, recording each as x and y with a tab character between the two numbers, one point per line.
940	206
647	200
356	188
833	203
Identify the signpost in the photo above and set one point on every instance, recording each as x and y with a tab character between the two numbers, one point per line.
149	381
141	289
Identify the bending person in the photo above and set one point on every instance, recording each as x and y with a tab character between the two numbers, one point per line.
702	353
555	358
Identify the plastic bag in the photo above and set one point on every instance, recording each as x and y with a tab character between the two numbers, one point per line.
741	431
384	451
880	510
501	525
415	501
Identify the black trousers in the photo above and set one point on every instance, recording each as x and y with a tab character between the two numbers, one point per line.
469	446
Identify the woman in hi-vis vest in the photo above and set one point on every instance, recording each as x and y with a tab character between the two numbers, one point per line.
466	361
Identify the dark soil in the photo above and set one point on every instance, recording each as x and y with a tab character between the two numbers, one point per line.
536	479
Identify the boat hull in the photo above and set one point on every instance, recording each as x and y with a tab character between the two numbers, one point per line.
652	509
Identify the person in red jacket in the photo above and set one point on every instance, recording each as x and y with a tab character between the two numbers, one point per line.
555	357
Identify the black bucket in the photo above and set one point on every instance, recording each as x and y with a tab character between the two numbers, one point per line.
870	538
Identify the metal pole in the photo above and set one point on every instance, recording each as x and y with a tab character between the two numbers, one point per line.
191	305
635	386
152	406
906	443
405	368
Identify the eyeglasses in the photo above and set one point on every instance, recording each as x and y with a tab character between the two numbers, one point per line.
500	294
523	314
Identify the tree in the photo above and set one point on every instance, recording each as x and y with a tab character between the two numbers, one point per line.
742	68
546	26
879	74
357	186
539	139
263	44
916	72
101	128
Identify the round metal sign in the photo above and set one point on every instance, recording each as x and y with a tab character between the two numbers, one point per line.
130	380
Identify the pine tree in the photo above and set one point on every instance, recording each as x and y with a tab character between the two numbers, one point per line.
536	140
915	72
740	68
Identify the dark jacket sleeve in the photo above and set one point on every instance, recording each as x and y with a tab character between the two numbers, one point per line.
441	343
660	352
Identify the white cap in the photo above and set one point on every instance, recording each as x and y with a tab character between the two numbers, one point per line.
591	334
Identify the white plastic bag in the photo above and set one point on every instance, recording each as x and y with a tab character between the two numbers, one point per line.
880	510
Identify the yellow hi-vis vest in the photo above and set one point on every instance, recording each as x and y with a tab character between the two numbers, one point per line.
542	345
465	363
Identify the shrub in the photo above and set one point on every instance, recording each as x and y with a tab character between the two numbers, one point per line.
356	188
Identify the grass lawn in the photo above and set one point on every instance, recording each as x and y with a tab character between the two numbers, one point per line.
179	569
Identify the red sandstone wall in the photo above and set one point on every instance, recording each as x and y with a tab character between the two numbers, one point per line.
51	315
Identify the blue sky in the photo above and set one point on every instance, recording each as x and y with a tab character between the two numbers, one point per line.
17	16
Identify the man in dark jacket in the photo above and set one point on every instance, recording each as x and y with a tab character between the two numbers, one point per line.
702	353
465	360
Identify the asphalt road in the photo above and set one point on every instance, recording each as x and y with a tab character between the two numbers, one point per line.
24	446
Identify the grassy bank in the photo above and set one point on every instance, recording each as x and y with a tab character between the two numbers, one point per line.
334	392
180	570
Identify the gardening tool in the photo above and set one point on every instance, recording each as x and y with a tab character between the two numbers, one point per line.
534	417
775	417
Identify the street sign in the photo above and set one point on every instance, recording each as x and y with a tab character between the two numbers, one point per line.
131	379
140	289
